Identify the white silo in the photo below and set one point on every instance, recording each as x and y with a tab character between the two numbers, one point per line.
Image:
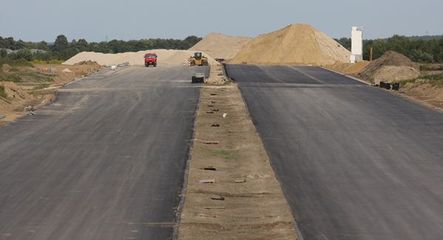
356	44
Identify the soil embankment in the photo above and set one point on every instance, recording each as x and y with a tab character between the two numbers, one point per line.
232	192
24	88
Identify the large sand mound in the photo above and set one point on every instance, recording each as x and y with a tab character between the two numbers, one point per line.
295	44
390	67
165	57
218	45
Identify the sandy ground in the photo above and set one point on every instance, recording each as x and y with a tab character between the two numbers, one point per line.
431	96
34	92
237	196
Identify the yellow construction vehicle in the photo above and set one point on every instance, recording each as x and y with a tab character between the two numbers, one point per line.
198	60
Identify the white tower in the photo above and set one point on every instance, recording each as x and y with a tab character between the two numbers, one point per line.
357	44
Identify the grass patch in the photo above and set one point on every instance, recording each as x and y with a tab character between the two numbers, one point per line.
47	62
12	63
2	92
36	76
10	77
435	80
225	154
41	86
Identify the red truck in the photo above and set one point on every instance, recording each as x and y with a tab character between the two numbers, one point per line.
151	59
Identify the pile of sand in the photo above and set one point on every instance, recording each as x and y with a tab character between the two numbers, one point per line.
295	44
348	68
390	67
221	46
165	57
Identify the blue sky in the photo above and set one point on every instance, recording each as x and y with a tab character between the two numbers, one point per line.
98	20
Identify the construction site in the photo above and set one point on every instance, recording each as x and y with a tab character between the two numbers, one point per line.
287	135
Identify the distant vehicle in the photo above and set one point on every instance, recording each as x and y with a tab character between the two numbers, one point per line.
151	59
198	78
198	60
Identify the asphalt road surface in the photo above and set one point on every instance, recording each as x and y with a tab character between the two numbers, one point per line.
355	162
105	161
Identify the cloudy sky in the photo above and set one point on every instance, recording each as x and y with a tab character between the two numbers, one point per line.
98	20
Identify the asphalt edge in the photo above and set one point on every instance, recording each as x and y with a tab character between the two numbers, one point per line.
297	229
184	187
394	93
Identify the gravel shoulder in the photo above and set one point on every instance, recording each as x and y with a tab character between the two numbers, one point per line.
232	192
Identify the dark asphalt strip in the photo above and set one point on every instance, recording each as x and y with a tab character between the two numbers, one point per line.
355	162
102	164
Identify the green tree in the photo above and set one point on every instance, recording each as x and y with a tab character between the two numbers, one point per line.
3	53
61	43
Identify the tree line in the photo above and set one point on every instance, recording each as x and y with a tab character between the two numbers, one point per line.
426	49
62	49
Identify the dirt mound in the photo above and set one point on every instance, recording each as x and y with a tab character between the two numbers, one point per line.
348	68
295	44
165	57
390	67
87	63
218	45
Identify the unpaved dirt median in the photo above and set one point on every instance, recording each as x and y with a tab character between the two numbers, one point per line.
232	192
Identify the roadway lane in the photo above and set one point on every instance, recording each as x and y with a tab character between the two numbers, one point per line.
105	161
354	161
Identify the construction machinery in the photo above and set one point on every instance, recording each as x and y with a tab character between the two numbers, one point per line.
198	60
151	59
198	78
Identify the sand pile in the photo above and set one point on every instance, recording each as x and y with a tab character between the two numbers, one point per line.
218	45
165	57
295	44
348	68
390	67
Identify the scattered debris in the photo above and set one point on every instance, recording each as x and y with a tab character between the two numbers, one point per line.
218	198
210	168
29	108
66	70
215	125
225	115
211	142
207	181
240	180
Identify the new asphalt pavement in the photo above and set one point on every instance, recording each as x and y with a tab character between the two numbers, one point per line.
105	161
355	162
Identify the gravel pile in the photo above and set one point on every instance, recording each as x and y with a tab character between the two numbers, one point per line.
295	44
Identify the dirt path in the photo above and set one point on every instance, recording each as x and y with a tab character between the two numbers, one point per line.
232	192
